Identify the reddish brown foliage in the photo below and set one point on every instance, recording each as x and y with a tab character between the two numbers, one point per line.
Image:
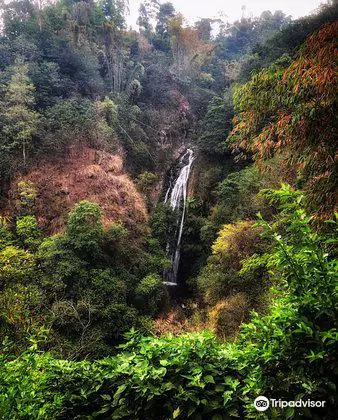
292	111
85	174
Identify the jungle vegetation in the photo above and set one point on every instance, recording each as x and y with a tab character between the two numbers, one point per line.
87	327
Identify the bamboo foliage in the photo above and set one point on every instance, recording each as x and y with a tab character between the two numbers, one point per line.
292	110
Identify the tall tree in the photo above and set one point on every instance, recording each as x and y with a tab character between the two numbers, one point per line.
162	37
20	119
114	11
189	50
114	52
204	28
19	17
216	124
143	20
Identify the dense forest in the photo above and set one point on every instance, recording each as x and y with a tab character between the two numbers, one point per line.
167	213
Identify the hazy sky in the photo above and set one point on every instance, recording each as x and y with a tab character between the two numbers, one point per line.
195	9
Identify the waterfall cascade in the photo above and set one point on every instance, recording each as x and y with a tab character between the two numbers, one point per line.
176	195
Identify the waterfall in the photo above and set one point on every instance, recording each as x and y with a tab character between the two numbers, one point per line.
176	195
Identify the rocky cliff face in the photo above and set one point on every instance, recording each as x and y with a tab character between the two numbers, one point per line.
85	174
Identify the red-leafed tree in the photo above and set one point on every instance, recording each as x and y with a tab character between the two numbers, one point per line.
291	111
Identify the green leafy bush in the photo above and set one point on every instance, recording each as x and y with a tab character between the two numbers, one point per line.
16	265
26	198
227	315
216	125
28	232
6	236
151	295
84	228
221	277
146	182
163	223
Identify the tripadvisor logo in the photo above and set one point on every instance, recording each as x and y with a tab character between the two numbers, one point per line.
261	403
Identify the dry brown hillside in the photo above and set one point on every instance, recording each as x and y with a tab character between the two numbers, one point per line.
86	174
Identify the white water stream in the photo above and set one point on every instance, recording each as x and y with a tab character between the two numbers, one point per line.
177	197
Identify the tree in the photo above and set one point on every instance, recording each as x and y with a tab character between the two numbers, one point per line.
144	18
114	50
287	40
20	118
151	295
28	232
204	29
237	40
292	111
114	11
216	124
84	228
189	50
26	198
19	17
162	38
